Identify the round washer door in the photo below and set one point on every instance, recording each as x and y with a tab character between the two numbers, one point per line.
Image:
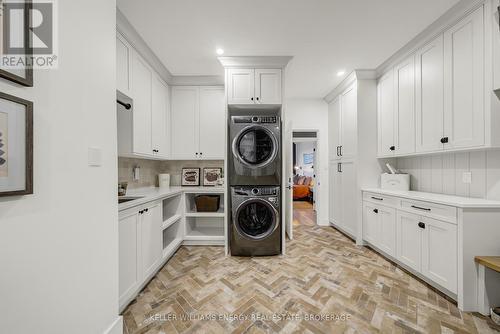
256	219
255	146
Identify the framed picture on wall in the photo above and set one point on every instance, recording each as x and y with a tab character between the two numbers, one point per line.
190	177
308	158
16	146
211	176
15	45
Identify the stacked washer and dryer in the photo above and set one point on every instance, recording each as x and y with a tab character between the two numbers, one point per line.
254	181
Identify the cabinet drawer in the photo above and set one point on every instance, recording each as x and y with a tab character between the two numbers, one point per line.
443	212
381	199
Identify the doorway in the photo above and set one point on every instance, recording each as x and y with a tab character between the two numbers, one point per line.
305	175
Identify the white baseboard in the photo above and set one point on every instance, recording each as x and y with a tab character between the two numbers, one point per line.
323	222
116	327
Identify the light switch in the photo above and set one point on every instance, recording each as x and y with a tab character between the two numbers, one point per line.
95	157
467	177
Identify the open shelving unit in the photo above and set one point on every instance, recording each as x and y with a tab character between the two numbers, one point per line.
203	228
172	231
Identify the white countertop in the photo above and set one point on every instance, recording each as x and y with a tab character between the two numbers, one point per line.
154	193
456	201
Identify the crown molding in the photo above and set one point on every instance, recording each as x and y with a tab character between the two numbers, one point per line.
255	61
349	80
197	80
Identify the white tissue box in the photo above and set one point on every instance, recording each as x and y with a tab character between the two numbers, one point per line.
395	181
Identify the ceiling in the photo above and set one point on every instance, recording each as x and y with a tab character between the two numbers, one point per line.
324	36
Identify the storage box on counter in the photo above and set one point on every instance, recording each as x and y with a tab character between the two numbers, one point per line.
395	181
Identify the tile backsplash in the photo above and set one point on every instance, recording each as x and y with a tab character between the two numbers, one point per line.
149	170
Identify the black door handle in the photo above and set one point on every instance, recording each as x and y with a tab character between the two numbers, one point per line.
444	140
420	208
339	167
421	225
378	198
340	150
392	148
375	210
338	153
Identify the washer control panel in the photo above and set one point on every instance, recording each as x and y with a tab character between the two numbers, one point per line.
255	119
256	191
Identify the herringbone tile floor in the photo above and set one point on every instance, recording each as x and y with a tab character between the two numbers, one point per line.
325	284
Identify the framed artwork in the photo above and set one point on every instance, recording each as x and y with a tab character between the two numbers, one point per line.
211	176
190	177
21	74
308	158
16	146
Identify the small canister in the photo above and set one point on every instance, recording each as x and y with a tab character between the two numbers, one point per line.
164	180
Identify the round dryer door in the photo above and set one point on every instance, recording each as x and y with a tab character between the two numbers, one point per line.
255	146
256	219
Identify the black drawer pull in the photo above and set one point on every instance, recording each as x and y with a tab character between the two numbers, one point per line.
375	210
421	225
378	198
420	208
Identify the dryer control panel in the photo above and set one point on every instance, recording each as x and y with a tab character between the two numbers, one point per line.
255	119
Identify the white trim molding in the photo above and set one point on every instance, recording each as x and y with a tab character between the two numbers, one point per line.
116	327
255	61
353	76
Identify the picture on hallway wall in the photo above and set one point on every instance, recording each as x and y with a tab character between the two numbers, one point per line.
16	146
308	158
211	176
190	177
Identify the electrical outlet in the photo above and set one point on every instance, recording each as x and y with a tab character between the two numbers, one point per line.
467	177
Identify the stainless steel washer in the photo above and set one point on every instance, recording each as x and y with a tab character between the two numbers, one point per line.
255	157
255	221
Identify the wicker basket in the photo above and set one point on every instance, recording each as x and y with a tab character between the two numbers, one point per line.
207	203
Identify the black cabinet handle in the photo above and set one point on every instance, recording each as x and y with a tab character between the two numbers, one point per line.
141	212
338	153
257	99
339	167
146	210
392	148
444	140
251	98
340	150
420	208
201	153
421	225
196	153
377	198
375	210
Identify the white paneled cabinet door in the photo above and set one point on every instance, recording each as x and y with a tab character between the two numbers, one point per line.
128	251
241	86
464	119
212	123
387	230
429	96
141	92
335	194
348	118
184	128
159	117
409	240
404	85
370	223
439	252
123	51
334	129
348	192
151	239
386	115
268	86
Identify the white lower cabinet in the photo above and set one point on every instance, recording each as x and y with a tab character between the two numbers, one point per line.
379	224
151	239
129	276
409	240
343	213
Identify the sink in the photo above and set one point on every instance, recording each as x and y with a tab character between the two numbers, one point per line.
127	199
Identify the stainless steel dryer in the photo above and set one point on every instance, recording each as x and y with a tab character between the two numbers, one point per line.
255	157
255	228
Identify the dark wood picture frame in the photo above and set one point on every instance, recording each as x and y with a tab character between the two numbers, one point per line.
198	170
28	143
5	74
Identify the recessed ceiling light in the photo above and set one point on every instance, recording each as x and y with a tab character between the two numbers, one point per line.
220	51
340	73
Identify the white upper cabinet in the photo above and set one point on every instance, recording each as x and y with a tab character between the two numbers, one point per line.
141	92
212	123
348	119
268	86
464	120
334	129
198	122
404	94
386	115
429	96
159	118
123	58
184	125
254	86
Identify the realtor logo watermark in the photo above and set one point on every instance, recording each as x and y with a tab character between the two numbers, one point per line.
29	34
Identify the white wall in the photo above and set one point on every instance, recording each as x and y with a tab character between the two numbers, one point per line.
312	114
302	148
59	247
443	173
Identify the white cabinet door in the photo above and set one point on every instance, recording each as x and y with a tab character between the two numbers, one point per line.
439	253
151	239
123	51
212	123
429	96
349	197
387	230
464	120
184	127
268	86
348	118
141	92
241	86
335	194
334	129
371	225
409	240
386	115
129	275
159	117
404	84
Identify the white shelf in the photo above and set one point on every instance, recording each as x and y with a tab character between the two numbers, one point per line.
171	248
205	214
170	221
206	233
